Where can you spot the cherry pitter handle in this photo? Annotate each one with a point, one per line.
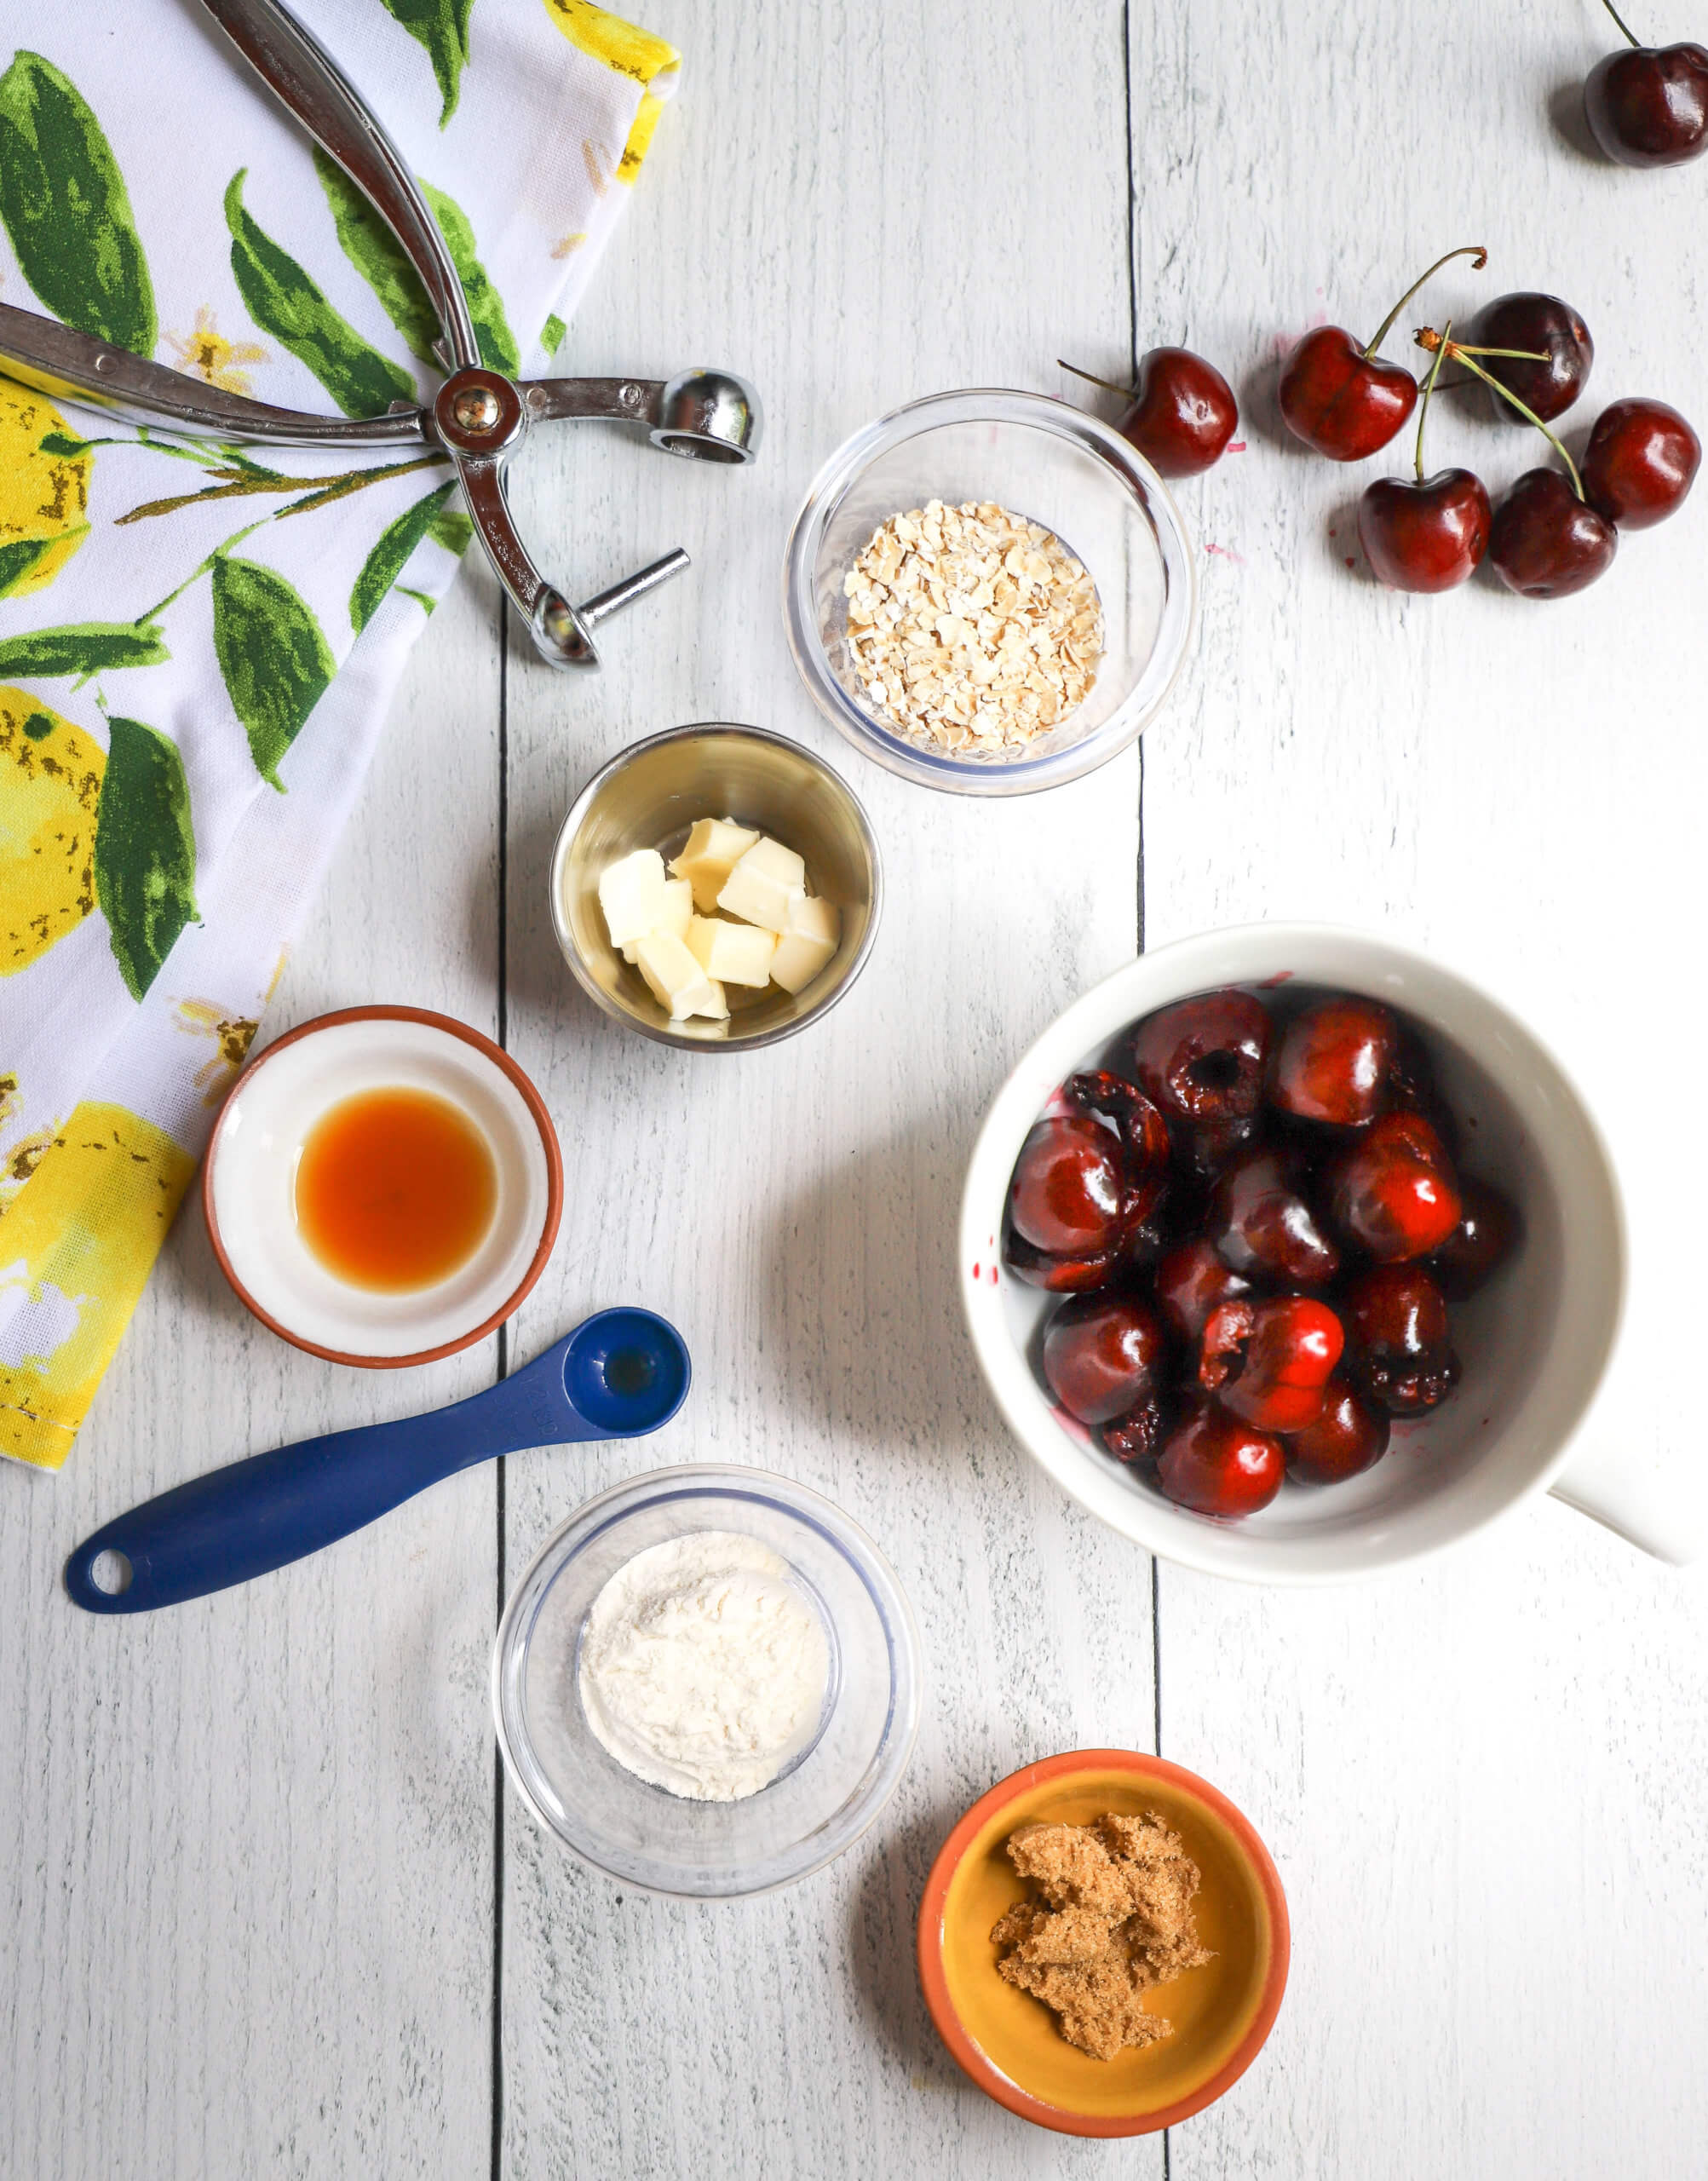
(619, 1375)
(478, 418)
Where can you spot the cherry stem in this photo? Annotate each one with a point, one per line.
(1623, 24)
(1107, 384)
(1469, 250)
(1460, 356)
(1426, 337)
(1428, 388)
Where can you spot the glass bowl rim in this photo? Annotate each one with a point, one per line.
(802, 1504)
(1011, 405)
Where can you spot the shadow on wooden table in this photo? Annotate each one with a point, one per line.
(863, 1298)
(883, 1918)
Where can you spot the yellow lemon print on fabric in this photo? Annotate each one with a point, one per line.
(51, 775)
(44, 470)
(620, 45)
(76, 1246)
(232, 1036)
(640, 137)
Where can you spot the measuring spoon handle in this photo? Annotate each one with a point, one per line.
(254, 1515)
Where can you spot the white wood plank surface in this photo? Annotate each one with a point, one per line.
(249, 1917)
(246, 1889)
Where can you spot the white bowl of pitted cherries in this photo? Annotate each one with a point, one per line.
(1292, 1254)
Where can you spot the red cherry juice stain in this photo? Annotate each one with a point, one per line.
(1350, 562)
(1071, 1425)
(1234, 447)
(1227, 553)
(1272, 984)
(977, 1269)
(993, 1275)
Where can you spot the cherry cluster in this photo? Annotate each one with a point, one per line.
(1258, 1226)
(1553, 531)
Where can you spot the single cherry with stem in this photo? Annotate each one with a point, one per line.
(1338, 398)
(1546, 541)
(1180, 412)
(1427, 535)
(1647, 106)
(1544, 349)
(1642, 460)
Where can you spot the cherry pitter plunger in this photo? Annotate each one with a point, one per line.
(478, 416)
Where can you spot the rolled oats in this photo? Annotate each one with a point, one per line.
(972, 629)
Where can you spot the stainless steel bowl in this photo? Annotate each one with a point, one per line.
(648, 799)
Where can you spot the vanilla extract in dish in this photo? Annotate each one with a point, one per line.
(395, 1189)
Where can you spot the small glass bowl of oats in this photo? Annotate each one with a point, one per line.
(989, 592)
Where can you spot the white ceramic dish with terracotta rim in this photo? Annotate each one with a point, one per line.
(249, 1182)
(1535, 1342)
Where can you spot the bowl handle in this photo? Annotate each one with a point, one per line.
(1648, 1492)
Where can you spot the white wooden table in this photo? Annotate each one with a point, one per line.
(264, 1906)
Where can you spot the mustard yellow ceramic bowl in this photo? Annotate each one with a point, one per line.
(1008, 2043)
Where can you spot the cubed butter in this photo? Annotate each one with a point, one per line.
(631, 894)
(814, 929)
(764, 885)
(735, 953)
(713, 849)
(677, 981)
(677, 916)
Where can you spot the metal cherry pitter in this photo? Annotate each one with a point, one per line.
(478, 416)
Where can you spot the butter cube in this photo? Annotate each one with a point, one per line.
(678, 913)
(631, 893)
(814, 929)
(677, 981)
(764, 885)
(712, 851)
(735, 953)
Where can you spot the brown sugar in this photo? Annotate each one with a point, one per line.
(1112, 1917)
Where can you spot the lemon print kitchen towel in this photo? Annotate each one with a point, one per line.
(198, 641)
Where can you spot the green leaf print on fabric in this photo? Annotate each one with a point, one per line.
(452, 530)
(284, 302)
(17, 559)
(145, 850)
(386, 563)
(273, 657)
(552, 333)
(379, 257)
(498, 350)
(66, 209)
(442, 27)
(82, 648)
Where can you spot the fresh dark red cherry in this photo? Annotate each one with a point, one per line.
(1339, 398)
(1334, 1060)
(1401, 1351)
(1394, 1193)
(1541, 324)
(1203, 1060)
(1479, 1246)
(1642, 460)
(1269, 1361)
(1545, 542)
(1647, 106)
(1427, 535)
(1079, 1190)
(1350, 1436)
(1262, 1227)
(1138, 1436)
(1191, 1283)
(1215, 1464)
(1101, 1354)
(1183, 413)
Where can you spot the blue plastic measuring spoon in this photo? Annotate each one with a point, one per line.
(618, 1376)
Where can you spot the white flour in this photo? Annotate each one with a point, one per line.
(703, 1668)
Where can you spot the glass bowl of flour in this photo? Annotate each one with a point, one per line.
(708, 1683)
